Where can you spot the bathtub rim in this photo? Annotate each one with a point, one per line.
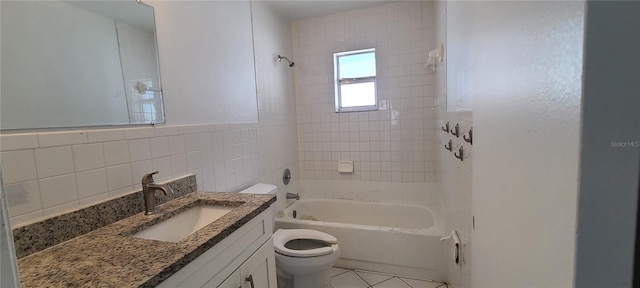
(437, 229)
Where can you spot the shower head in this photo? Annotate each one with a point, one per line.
(291, 63)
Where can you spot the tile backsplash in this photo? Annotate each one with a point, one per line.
(41, 235)
(395, 143)
(48, 173)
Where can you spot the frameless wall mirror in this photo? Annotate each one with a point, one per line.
(459, 87)
(78, 63)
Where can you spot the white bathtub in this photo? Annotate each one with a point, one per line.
(396, 238)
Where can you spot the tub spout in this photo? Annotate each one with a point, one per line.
(293, 196)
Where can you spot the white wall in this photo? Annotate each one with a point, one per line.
(609, 168)
(206, 59)
(63, 73)
(527, 69)
(48, 173)
(454, 176)
(394, 144)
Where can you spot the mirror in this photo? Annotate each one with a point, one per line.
(78, 63)
(459, 89)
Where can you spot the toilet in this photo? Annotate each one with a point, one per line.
(303, 256)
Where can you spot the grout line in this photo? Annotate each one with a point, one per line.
(442, 284)
(408, 283)
(392, 275)
(371, 285)
(365, 281)
(348, 270)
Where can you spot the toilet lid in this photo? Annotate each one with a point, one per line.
(282, 236)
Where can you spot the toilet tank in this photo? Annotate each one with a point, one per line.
(261, 188)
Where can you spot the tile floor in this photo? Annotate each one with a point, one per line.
(345, 278)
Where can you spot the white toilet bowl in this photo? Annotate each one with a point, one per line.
(302, 255)
(306, 256)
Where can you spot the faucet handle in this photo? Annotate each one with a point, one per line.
(148, 178)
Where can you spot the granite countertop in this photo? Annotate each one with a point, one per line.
(110, 257)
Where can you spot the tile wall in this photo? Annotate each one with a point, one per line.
(48, 173)
(395, 143)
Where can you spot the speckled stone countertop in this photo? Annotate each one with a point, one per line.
(110, 257)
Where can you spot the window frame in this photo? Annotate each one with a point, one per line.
(338, 82)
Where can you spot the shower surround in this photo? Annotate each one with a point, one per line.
(395, 143)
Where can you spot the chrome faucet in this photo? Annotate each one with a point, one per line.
(149, 188)
(293, 196)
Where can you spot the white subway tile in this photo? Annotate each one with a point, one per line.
(92, 182)
(192, 142)
(139, 149)
(166, 130)
(90, 201)
(18, 141)
(18, 166)
(139, 169)
(204, 140)
(61, 209)
(136, 133)
(54, 161)
(187, 129)
(160, 147)
(50, 139)
(88, 156)
(23, 198)
(119, 177)
(177, 144)
(193, 160)
(116, 152)
(24, 219)
(104, 135)
(178, 164)
(163, 166)
(216, 139)
(121, 192)
(59, 190)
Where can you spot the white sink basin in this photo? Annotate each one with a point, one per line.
(184, 224)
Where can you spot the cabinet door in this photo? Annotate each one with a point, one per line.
(259, 271)
(234, 281)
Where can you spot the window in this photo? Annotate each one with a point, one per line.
(355, 80)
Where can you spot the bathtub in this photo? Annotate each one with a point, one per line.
(396, 238)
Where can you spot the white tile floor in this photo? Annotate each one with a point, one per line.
(345, 278)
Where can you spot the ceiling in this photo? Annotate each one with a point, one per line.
(301, 9)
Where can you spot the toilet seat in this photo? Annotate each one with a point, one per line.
(282, 236)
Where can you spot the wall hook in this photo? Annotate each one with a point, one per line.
(456, 131)
(460, 154)
(450, 148)
(470, 139)
(446, 127)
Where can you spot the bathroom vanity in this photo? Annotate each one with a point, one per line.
(243, 259)
(233, 251)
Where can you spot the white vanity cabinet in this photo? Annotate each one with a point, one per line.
(246, 253)
(257, 272)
